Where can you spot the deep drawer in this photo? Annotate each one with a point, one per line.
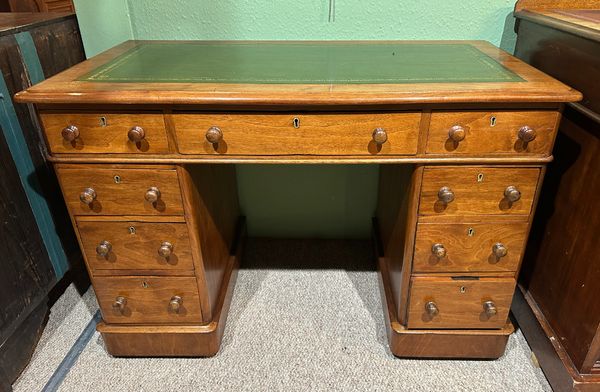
(443, 302)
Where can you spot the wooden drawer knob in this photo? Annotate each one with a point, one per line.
(136, 134)
(104, 248)
(527, 134)
(439, 251)
(512, 193)
(431, 309)
(457, 133)
(499, 250)
(214, 135)
(490, 308)
(70, 133)
(120, 303)
(445, 195)
(175, 303)
(165, 250)
(88, 196)
(152, 194)
(380, 136)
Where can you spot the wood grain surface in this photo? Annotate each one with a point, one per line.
(473, 197)
(460, 302)
(317, 134)
(138, 249)
(148, 299)
(469, 246)
(491, 137)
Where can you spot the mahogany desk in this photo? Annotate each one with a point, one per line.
(145, 138)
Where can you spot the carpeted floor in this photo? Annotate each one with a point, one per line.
(305, 316)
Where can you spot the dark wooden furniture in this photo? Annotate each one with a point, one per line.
(558, 308)
(145, 135)
(41, 6)
(30, 267)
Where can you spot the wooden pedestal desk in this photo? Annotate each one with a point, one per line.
(145, 138)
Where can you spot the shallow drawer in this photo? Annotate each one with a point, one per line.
(95, 133)
(116, 191)
(298, 134)
(469, 190)
(148, 299)
(483, 132)
(136, 245)
(459, 303)
(479, 247)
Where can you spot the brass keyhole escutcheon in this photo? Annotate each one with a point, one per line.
(103, 122)
(480, 177)
(296, 122)
(463, 289)
(145, 284)
(131, 230)
(470, 232)
(117, 179)
(493, 121)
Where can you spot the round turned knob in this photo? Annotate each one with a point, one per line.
(512, 193)
(165, 250)
(152, 194)
(439, 251)
(379, 136)
(103, 248)
(175, 303)
(88, 196)
(136, 134)
(499, 250)
(214, 135)
(431, 309)
(457, 133)
(445, 195)
(120, 303)
(527, 134)
(70, 133)
(490, 308)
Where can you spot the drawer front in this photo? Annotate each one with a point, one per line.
(136, 245)
(120, 191)
(105, 133)
(477, 190)
(148, 299)
(298, 134)
(482, 132)
(449, 303)
(479, 247)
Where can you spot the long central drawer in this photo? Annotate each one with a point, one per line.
(297, 134)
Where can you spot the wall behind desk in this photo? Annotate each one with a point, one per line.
(298, 201)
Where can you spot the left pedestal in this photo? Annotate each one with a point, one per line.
(162, 245)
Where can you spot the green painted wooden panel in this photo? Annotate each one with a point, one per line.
(310, 63)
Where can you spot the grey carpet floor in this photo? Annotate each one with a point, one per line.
(305, 316)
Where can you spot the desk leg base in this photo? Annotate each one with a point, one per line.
(438, 343)
(173, 340)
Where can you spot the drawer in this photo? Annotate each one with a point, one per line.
(118, 191)
(135, 245)
(473, 190)
(459, 303)
(95, 133)
(483, 132)
(148, 299)
(469, 247)
(297, 134)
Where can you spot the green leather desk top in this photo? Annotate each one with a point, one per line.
(302, 63)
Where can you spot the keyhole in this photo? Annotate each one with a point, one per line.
(296, 122)
(117, 179)
(480, 177)
(145, 284)
(131, 230)
(463, 289)
(103, 121)
(471, 232)
(492, 121)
